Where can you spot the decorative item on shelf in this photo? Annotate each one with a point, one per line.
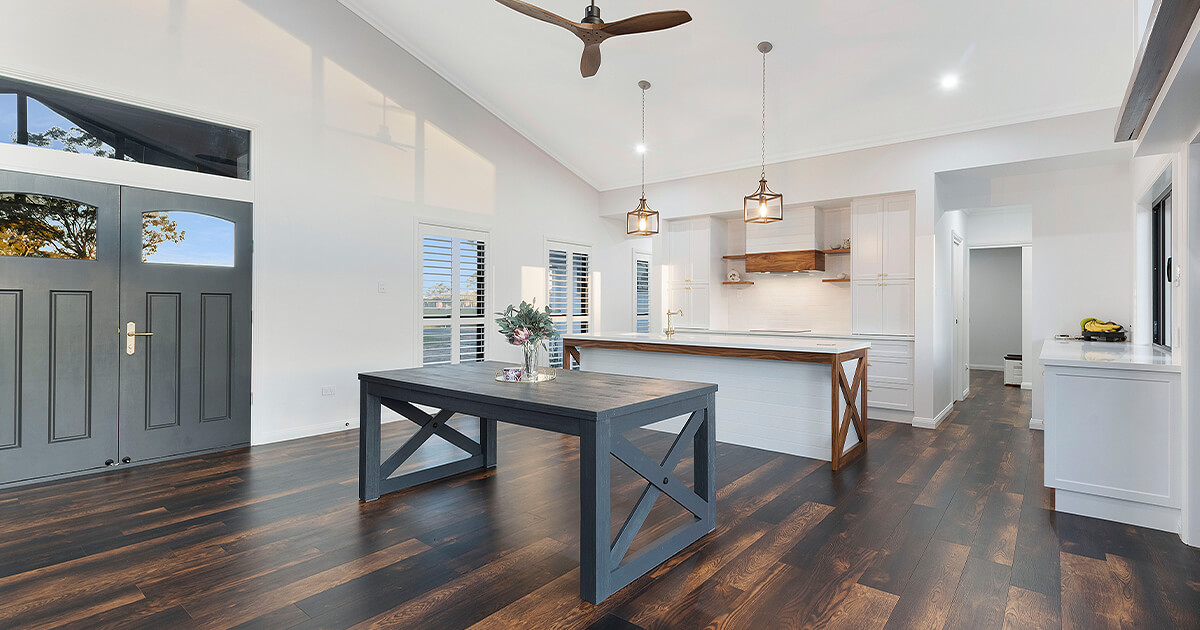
(846, 244)
(1093, 329)
(763, 205)
(530, 328)
(642, 221)
(733, 276)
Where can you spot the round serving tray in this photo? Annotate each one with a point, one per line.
(543, 376)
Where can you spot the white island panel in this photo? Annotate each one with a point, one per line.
(780, 406)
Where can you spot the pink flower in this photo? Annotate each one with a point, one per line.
(520, 336)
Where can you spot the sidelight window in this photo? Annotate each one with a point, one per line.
(454, 303)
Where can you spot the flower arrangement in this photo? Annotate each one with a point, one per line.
(527, 326)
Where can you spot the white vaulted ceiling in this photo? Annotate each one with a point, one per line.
(844, 74)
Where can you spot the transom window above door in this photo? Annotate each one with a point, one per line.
(40, 116)
(44, 226)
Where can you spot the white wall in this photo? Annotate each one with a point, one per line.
(335, 209)
(1083, 249)
(995, 306)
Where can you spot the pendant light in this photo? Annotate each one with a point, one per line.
(764, 205)
(642, 221)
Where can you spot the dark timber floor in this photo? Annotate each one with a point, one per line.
(934, 529)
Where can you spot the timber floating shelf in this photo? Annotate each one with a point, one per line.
(835, 279)
(838, 251)
(735, 257)
(739, 282)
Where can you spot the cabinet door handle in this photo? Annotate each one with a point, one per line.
(885, 275)
(878, 284)
(868, 389)
(885, 284)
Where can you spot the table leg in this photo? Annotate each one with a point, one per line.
(487, 441)
(594, 512)
(704, 445)
(368, 444)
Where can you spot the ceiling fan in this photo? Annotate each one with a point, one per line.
(592, 30)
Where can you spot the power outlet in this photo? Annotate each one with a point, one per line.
(327, 391)
(381, 287)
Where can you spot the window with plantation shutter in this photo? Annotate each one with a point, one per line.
(641, 293)
(453, 295)
(568, 292)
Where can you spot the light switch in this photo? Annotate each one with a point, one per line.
(326, 391)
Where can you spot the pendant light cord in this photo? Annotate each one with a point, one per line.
(644, 148)
(764, 115)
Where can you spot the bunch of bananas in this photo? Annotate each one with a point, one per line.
(1091, 324)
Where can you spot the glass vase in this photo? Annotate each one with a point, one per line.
(533, 352)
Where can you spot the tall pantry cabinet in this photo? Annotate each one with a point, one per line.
(882, 269)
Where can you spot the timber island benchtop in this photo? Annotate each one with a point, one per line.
(812, 349)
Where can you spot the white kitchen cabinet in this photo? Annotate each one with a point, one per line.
(866, 305)
(693, 300)
(881, 254)
(898, 307)
(866, 239)
(694, 250)
(897, 240)
(1113, 423)
(882, 308)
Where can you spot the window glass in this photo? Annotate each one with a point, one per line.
(37, 115)
(453, 280)
(8, 117)
(436, 345)
(48, 129)
(41, 226)
(567, 291)
(437, 276)
(642, 295)
(178, 237)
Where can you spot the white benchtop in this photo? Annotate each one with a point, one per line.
(1114, 356)
(797, 333)
(824, 345)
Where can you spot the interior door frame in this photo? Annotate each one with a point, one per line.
(958, 288)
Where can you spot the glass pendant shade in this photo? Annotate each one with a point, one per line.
(642, 221)
(764, 206)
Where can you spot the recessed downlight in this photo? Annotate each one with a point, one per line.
(640, 148)
(949, 81)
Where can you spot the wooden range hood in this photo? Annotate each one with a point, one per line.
(801, 260)
(789, 245)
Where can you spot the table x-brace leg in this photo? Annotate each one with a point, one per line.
(482, 453)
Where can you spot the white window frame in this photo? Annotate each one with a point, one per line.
(426, 228)
(569, 319)
(646, 257)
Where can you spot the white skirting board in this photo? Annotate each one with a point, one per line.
(986, 368)
(933, 423)
(1037, 423)
(1027, 385)
(890, 415)
(1131, 512)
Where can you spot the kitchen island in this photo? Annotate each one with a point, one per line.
(797, 395)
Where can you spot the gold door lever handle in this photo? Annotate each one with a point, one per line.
(131, 335)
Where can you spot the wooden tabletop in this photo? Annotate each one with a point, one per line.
(575, 394)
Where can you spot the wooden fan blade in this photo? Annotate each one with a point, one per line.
(539, 13)
(590, 62)
(647, 22)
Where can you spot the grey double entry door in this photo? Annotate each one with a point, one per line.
(124, 325)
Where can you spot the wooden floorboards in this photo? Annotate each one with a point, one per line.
(949, 528)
